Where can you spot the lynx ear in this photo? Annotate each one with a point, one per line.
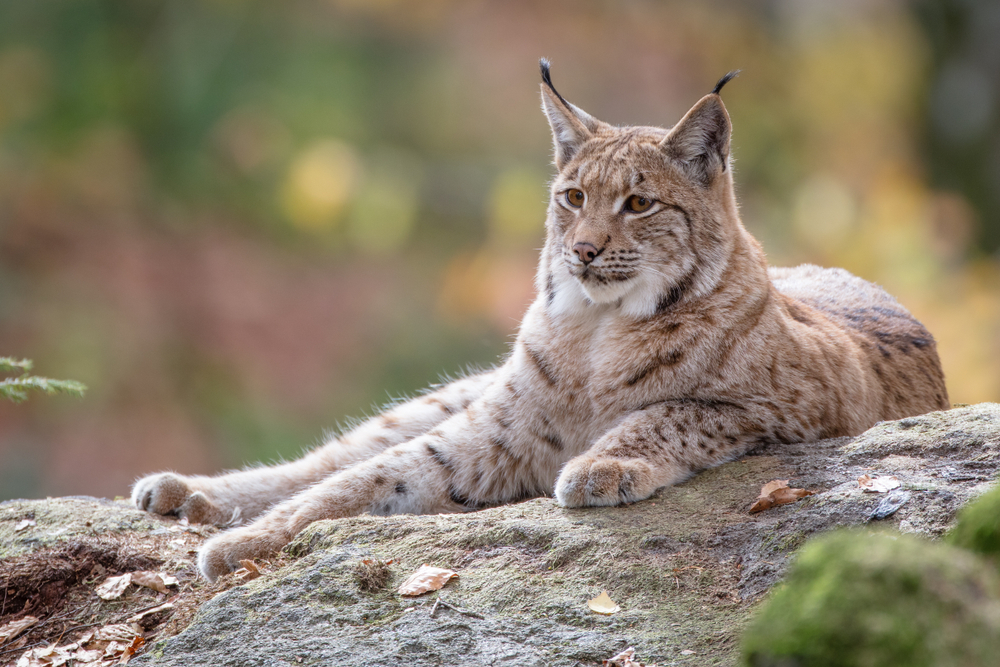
(571, 126)
(701, 140)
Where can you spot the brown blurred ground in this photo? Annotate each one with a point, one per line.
(242, 223)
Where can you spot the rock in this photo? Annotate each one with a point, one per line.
(687, 567)
(856, 599)
(60, 519)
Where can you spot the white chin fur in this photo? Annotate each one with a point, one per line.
(607, 293)
(637, 298)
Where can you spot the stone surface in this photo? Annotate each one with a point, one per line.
(687, 566)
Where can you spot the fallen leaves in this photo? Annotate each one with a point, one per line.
(426, 579)
(625, 659)
(114, 587)
(11, 630)
(111, 645)
(603, 604)
(777, 492)
(24, 523)
(878, 483)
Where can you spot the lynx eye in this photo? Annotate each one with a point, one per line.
(638, 204)
(575, 198)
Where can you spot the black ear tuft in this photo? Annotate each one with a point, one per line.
(544, 65)
(715, 91)
(547, 80)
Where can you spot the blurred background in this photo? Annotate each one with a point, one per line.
(241, 223)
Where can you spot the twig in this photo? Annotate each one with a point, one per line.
(23, 648)
(152, 606)
(435, 607)
(440, 600)
(51, 619)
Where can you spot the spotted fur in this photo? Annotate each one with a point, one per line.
(660, 344)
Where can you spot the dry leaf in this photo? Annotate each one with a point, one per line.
(248, 571)
(878, 483)
(687, 651)
(131, 649)
(115, 649)
(149, 580)
(603, 604)
(50, 656)
(117, 632)
(624, 659)
(113, 587)
(14, 628)
(773, 486)
(24, 523)
(777, 492)
(158, 581)
(426, 579)
(149, 612)
(84, 657)
(250, 565)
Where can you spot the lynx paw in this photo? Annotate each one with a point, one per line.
(589, 481)
(170, 494)
(222, 554)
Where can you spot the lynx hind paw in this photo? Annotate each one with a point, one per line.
(222, 554)
(589, 481)
(169, 494)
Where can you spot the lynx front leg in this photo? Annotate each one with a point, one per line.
(404, 479)
(477, 458)
(244, 495)
(658, 446)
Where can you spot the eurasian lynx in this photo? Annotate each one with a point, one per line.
(659, 345)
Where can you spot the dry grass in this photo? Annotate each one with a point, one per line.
(372, 574)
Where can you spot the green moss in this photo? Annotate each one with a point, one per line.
(853, 598)
(978, 527)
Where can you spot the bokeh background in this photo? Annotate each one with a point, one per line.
(241, 223)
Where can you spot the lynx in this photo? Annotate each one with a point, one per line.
(659, 344)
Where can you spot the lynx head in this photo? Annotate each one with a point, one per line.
(639, 217)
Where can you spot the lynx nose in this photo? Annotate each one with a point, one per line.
(586, 252)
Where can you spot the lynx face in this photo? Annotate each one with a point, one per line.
(623, 233)
(633, 216)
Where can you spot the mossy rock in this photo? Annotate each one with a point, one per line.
(978, 527)
(858, 599)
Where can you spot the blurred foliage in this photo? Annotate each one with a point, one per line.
(17, 388)
(962, 105)
(978, 526)
(239, 222)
